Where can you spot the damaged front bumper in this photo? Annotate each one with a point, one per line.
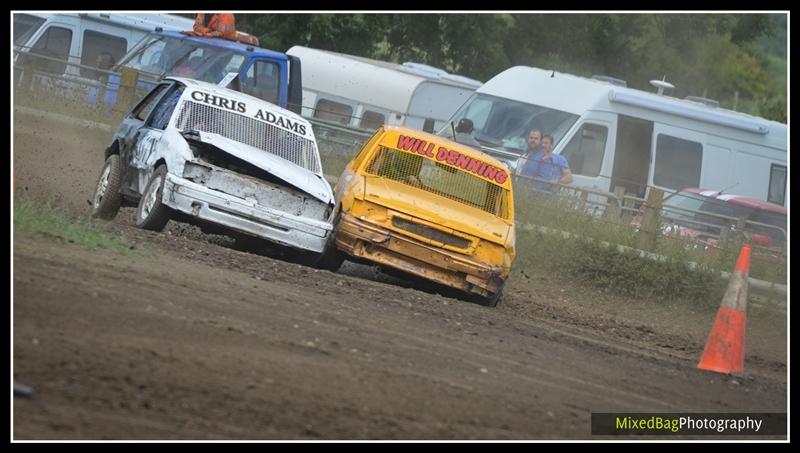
(363, 239)
(245, 213)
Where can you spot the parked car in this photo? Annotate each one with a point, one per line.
(196, 152)
(702, 215)
(427, 206)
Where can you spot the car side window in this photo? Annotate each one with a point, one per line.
(366, 148)
(142, 111)
(164, 109)
(262, 80)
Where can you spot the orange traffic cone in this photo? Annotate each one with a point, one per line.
(724, 352)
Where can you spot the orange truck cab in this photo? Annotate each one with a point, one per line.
(427, 206)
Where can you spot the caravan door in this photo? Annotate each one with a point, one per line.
(677, 158)
(632, 155)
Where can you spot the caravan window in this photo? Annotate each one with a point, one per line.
(506, 123)
(678, 162)
(54, 43)
(777, 184)
(101, 51)
(586, 150)
(372, 120)
(333, 111)
(25, 26)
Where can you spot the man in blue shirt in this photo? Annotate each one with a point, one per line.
(545, 165)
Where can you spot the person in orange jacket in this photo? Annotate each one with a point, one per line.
(221, 25)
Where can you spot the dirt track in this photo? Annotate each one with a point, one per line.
(193, 339)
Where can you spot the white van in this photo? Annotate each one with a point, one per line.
(615, 136)
(85, 38)
(364, 93)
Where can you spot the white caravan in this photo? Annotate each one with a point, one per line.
(364, 93)
(616, 136)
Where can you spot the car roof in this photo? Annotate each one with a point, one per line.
(467, 150)
(225, 44)
(739, 200)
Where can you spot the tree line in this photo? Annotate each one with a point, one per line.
(737, 59)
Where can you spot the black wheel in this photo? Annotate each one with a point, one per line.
(492, 300)
(331, 258)
(107, 198)
(152, 214)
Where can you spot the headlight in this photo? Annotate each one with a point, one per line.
(367, 210)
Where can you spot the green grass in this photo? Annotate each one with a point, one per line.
(584, 260)
(35, 218)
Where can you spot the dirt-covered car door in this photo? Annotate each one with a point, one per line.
(144, 127)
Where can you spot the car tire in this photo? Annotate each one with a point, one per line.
(331, 258)
(493, 300)
(107, 197)
(152, 214)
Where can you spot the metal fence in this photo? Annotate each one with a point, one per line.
(41, 79)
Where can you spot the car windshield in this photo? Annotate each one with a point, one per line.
(676, 205)
(504, 123)
(163, 56)
(721, 208)
(442, 180)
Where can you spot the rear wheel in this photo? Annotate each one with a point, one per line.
(151, 213)
(107, 198)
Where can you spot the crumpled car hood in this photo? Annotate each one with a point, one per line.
(299, 177)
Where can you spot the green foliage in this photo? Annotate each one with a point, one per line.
(586, 248)
(591, 264)
(714, 54)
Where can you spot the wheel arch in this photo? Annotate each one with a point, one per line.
(112, 149)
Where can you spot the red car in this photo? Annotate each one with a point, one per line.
(706, 229)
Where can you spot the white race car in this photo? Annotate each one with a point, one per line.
(196, 152)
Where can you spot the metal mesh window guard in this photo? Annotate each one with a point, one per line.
(441, 179)
(250, 131)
